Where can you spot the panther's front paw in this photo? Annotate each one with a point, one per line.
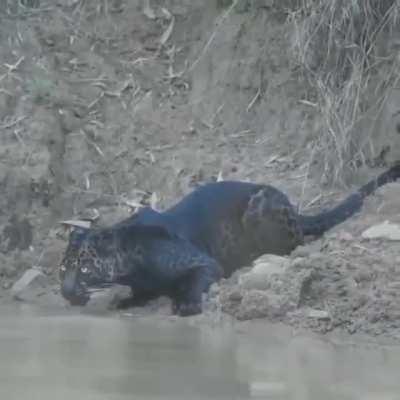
(175, 307)
(121, 304)
(188, 309)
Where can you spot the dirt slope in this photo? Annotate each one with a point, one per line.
(107, 103)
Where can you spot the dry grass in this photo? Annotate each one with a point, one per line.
(344, 49)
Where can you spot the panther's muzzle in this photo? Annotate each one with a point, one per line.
(74, 291)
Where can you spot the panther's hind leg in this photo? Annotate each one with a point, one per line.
(270, 223)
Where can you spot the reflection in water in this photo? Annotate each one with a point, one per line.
(80, 357)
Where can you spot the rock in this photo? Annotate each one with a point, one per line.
(260, 304)
(385, 230)
(6, 285)
(31, 284)
(214, 291)
(270, 264)
(345, 236)
(108, 298)
(8, 271)
(268, 291)
(306, 249)
(255, 304)
(318, 314)
(230, 299)
(234, 295)
(251, 281)
(264, 268)
(363, 276)
(300, 263)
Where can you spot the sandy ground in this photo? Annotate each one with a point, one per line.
(104, 107)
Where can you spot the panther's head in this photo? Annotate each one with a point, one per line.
(90, 263)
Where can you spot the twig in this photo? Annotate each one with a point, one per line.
(13, 67)
(313, 201)
(303, 188)
(18, 136)
(255, 98)
(12, 123)
(92, 143)
(212, 36)
(241, 134)
(6, 92)
(84, 80)
(95, 101)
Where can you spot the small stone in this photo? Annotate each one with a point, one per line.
(385, 230)
(363, 276)
(301, 251)
(300, 263)
(214, 290)
(235, 295)
(270, 263)
(6, 285)
(345, 236)
(318, 314)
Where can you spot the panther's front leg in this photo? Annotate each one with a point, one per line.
(189, 271)
(187, 300)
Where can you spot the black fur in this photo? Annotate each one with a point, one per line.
(210, 233)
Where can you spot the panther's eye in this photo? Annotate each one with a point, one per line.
(84, 270)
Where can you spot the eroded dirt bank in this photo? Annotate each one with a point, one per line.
(102, 108)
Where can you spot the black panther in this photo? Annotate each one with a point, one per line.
(209, 234)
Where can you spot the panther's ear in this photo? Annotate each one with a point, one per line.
(77, 235)
(77, 229)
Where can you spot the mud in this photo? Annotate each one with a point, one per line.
(104, 108)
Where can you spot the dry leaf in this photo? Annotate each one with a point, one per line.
(153, 200)
(148, 11)
(152, 158)
(166, 12)
(166, 35)
(134, 204)
(77, 222)
(87, 182)
(93, 216)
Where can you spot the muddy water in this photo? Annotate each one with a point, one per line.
(72, 356)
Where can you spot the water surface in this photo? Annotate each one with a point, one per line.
(74, 356)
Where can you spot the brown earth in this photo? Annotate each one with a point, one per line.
(104, 104)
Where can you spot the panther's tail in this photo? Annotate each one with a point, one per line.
(318, 224)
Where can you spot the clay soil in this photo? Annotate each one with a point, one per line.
(107, 104)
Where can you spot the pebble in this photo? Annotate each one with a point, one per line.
(385, 230)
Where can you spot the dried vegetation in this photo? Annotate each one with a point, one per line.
(347, 51)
